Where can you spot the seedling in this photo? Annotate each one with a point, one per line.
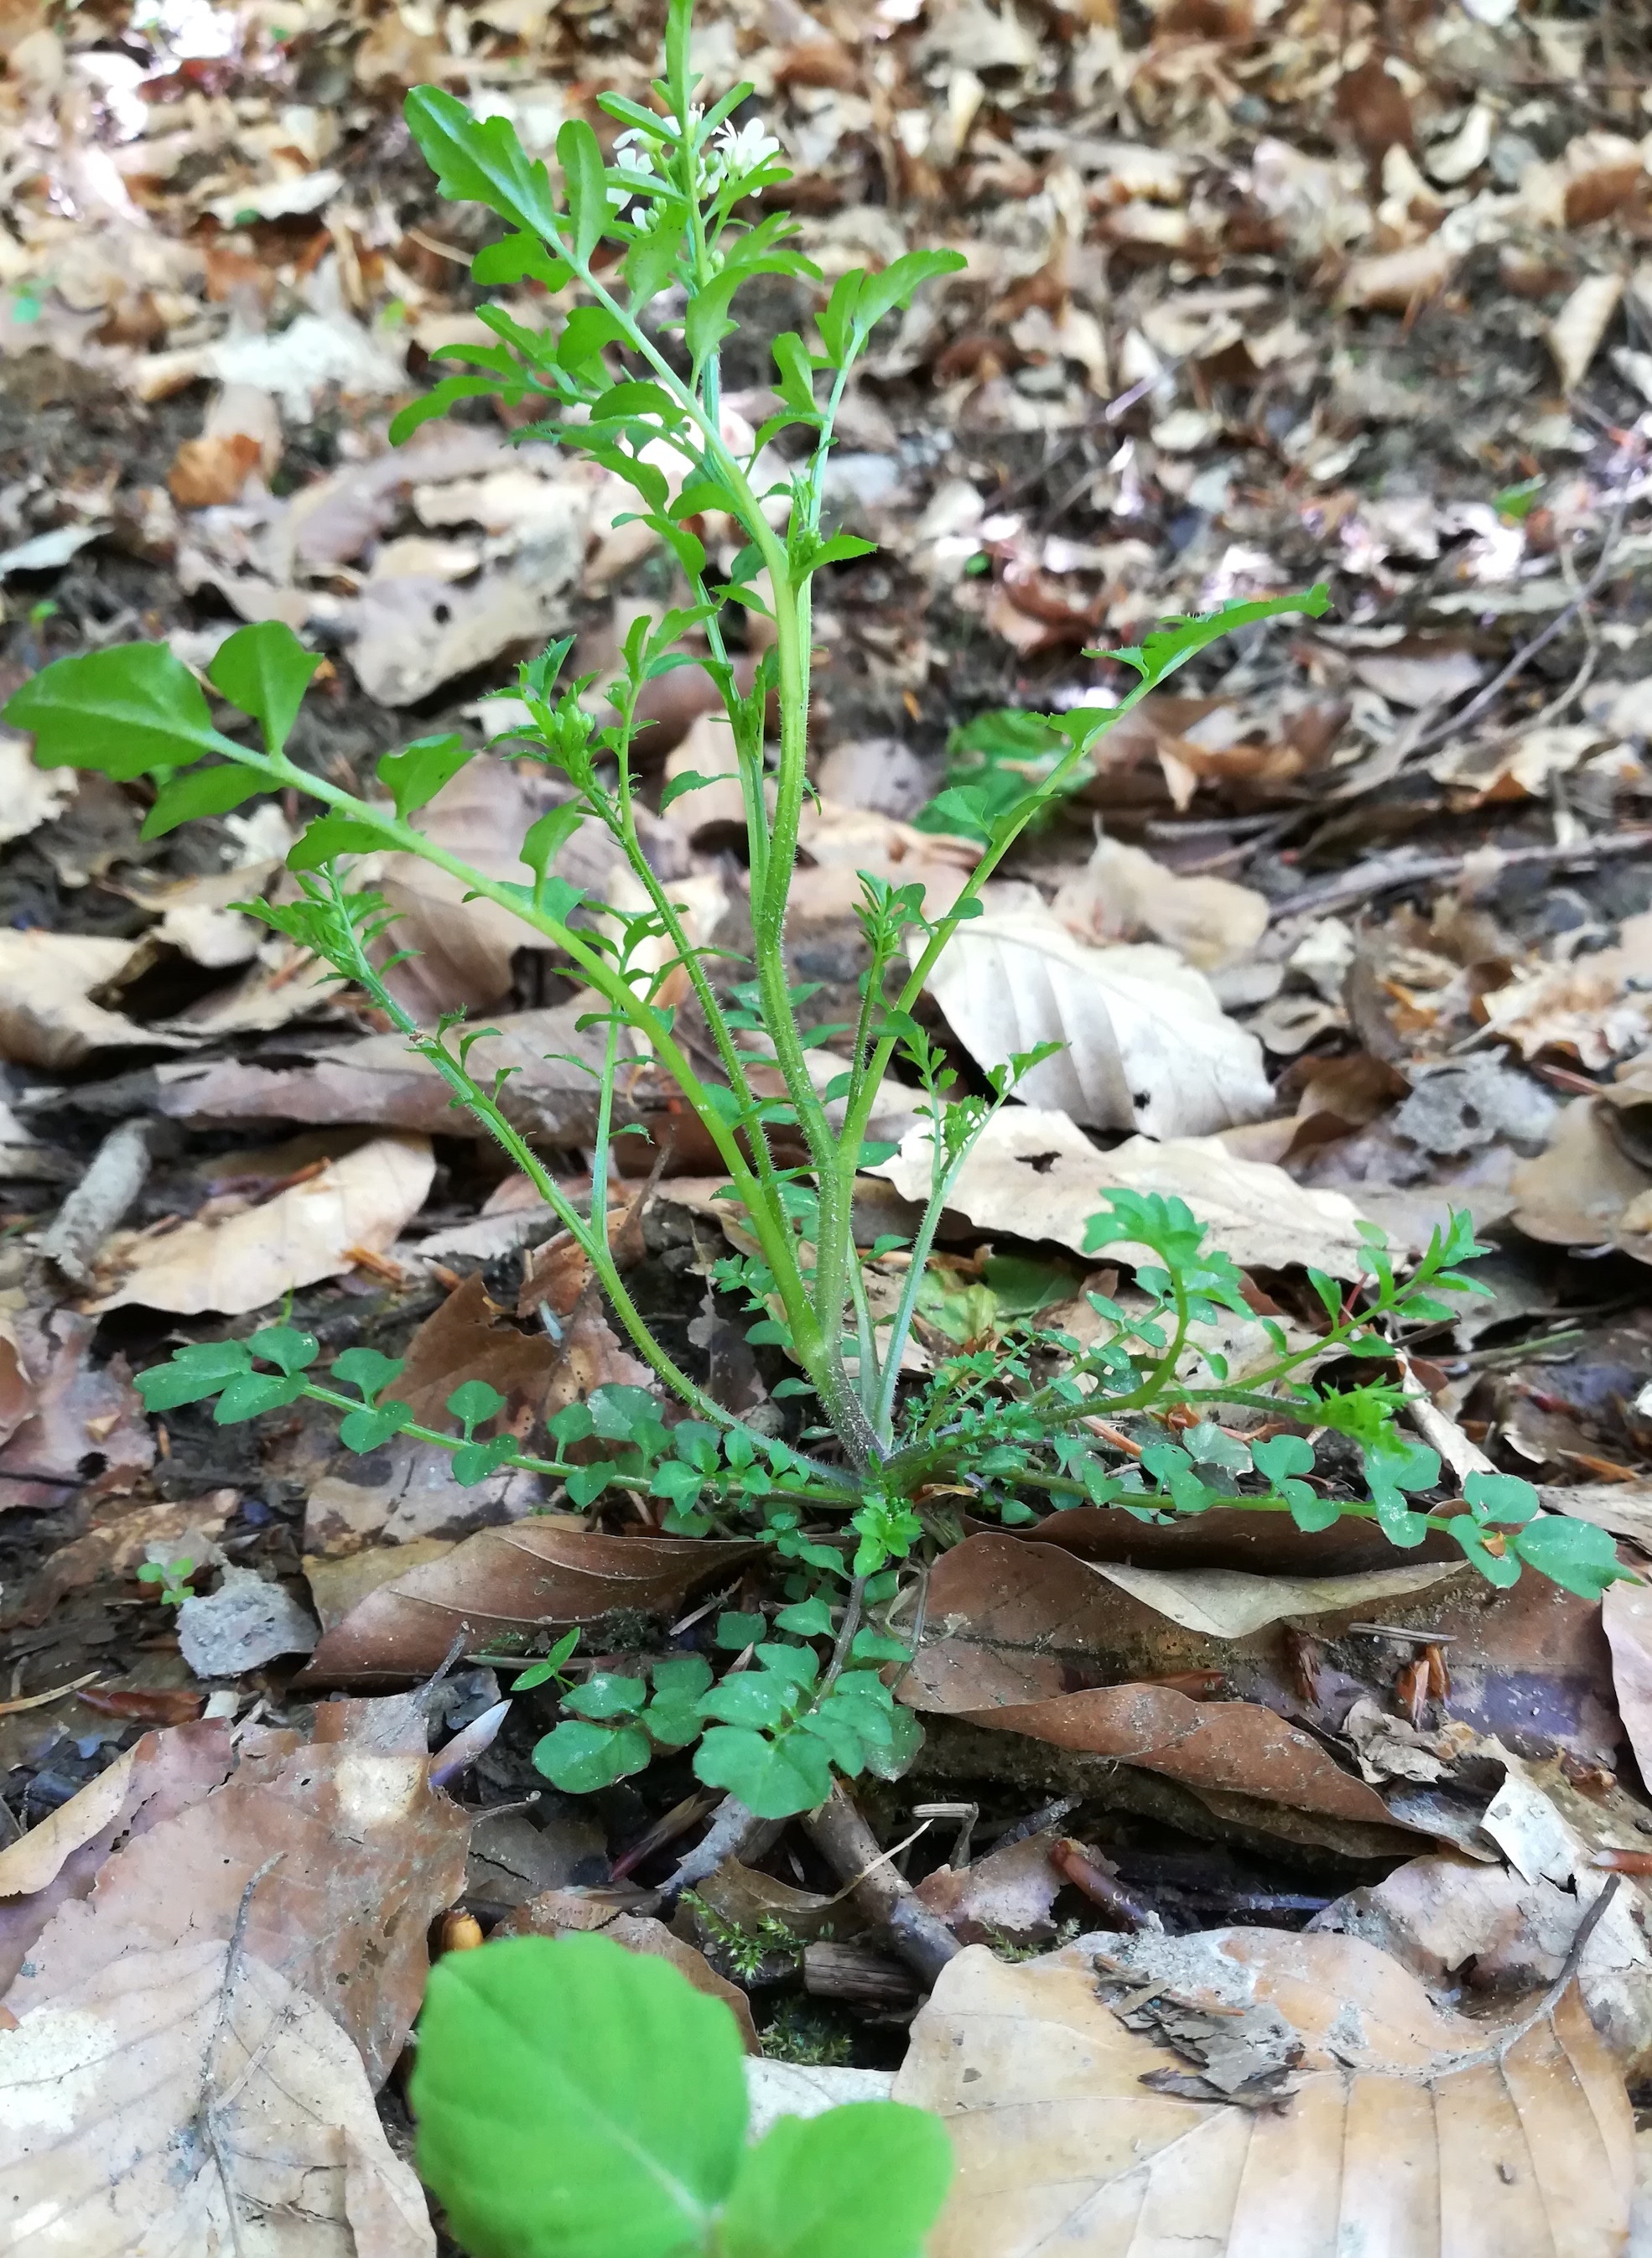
(648, 248)
(575, 2100)
(173, 1579)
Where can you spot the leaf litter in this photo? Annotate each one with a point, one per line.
(1353, 930)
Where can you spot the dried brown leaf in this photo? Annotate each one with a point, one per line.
(187, 1529)
(1410, 2129)
(1013, 1628)
(1034, 1173)
(1123, 892)
(247, 1260)
(356, 1855)
(189, 2091)
(86, 1433)
(48, 1017)
(513, 1581)
(1146, 1045)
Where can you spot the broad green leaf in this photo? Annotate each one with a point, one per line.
(414, 776)
(371, 1429)
(691, 780)
(1501, 1497)
(249, 1395)
(192, 1374)
(579, 1758)
(576, 2100)
(866, 2180)
(580, 158)
(474, 1402)
(473, 1462)
(607, 1695)
(124, 711)
(650, 264)
(586, 1484)
(328, 837)
(734, 1631)
(481, 161)
(773, 1780)
(286, 1346)
(900, 281)
(200, 791)
(1574, 1554)
(437, 401)
(750, 1697)
(265, 669)
(368, 1370)
(809, 1618)
(518, 258)
(1501, 1568)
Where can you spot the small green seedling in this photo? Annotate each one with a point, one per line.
(640, 254)
(576, 2100)
(173, 1579)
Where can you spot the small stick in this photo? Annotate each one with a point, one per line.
(1389, 872)
(39, 1701)
(99, 1202)
(884, 1898)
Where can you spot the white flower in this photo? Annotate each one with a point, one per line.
(743, 148)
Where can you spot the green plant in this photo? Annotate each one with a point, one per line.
(808, 2035)
(173, 1579)
(751, 1952)
(575, 2100)
(653, 243)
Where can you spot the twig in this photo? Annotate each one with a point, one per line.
(99, 1201)
(1388, 873)
(884, 1898)
(39, 1701)
(734, 1833)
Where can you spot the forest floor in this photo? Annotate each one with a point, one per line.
(1356, 922)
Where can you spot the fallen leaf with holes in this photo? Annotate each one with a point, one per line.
(512, 1583)
(564, 1912)
(1013, 1625)
(1146, 1044)
(62, 1858)
(1034, 1173)
(1123, 894)
(1410, 2129)
(188, 2089)
(330, 1859)
(250, 1259)
(48, 1018)
(85, 1434)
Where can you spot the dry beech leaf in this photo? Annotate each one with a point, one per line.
(1578, 329)
(250, 1259)
(1034, 1173)
(379, 1081)
(17, 1387)
(1410, 2131)
(1625, 1613)
(369, 1854)
(528, 1577)
(186, 2099)
(85, 1435)
(1012, 1624)
(48, 1017)
(1582, 1190)
(1595, 1008)
(565, 1913)
(61, 1858)
(1147, 1045)
(1123, 892)
(1515, 1922)
(29, 797)
(1010, 1889)
(1395, 280)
